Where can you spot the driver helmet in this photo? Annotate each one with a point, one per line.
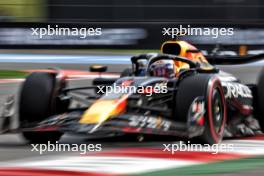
(163, 68)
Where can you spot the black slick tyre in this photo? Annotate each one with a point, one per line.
(37, 102)
(209, 87)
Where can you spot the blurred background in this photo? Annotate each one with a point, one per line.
(127, 24)
(136, 11)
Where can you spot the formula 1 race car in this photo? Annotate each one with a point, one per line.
(176, 93)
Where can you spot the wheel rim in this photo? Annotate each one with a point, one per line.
(217, 110)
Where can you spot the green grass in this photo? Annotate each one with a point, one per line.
(11, 74)
(230, 166)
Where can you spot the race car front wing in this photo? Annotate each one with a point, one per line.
(117, 125)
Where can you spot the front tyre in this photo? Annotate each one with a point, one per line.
(37, 102)
(214, 118)
(42, 137)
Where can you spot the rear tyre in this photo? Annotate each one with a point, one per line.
(209, 87)
(260, 100)
(37, 102)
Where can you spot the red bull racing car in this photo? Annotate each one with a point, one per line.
(176, 93)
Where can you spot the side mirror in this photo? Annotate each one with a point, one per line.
(98, 68)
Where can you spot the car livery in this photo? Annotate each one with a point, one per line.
(200, 103)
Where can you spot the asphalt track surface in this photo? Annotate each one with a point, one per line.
(121, 156)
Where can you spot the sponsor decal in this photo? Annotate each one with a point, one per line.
(149, 122)
(236, 90)
(197, 111)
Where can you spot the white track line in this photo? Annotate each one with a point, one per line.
(103, 164)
